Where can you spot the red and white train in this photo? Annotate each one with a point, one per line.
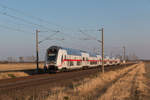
(59, 58)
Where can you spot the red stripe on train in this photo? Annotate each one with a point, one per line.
(82, 60)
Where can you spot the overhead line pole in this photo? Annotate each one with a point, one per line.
(37, 51)
(124, 54)
(102, 47)
(37, 48)
(103, 50)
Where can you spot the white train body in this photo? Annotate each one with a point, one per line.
(58, 58)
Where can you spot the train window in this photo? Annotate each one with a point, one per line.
(71, 63)
(68, 63)
(87, 59)
(104, 61)
(91, 62)
(95, 62)
(78, 63)
(83, 59)
(74, 61)
(52, 55)
(62, 58)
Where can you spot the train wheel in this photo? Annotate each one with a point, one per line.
(64, 69)
(85, 67)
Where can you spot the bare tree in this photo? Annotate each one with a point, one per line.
(21, 59)
(9, 59)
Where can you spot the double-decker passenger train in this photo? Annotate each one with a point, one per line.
(59, 58)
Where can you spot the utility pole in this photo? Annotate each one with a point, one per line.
(103, 50)
(124, 54)
(37, 51)
(102, 47)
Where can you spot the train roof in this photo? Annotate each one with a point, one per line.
(71, 51)
(92, 54)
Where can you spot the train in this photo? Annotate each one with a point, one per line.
(59, 58)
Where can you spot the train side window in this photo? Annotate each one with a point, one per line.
(91, 62)
(83, 59)
(62, 58)
(86, 59)
(68, 63)
(78, 63)
(68, 57)
(71, 63)
(95, 62)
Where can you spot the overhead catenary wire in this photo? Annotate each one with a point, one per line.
(38, 19)
(89, 37)
(15, 29)
(28, 22)
(29, 15)
(33, 17)
(49, 37)
(18, 23)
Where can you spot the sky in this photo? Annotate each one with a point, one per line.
(70, 23)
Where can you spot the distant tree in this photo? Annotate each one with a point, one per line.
(119, 56)
(21, 59)
(127, 58)
(33, 58)
(9, 59)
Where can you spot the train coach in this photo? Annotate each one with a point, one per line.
(59, 58)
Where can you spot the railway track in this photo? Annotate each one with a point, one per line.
(47, 81)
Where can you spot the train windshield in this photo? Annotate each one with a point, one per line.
(52, 55)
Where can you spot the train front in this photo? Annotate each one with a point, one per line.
(51, 59)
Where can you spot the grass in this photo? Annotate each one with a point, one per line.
(87, 89)
(66, 98)
(13, 70)
(18, 66)
(91, 87)
(12, 75)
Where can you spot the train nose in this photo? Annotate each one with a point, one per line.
(51, 63)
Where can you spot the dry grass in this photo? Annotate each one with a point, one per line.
(142, 86)
(89, 89)
(128, 85)
(13, 70)
(12, 75)
(131, 87)
(18, 66)
(124, 88)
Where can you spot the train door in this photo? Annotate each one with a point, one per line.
(83, 61)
